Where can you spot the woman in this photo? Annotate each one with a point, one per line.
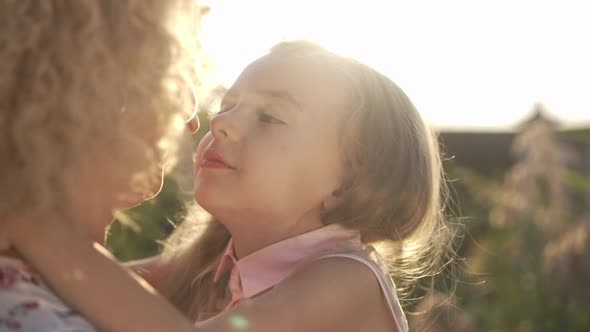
(92, 93)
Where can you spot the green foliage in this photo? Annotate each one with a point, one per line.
(580, 135)
(137, 233)
(576, 181)
(506, 284)
(511, 292)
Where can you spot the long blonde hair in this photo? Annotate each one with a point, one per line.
(393, 196)
(74, 73)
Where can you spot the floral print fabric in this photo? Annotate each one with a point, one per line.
(28, 305)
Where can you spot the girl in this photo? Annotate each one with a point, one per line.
(312, 159)
(90, 91)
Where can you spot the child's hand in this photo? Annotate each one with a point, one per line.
(34, 234)
(19, 230)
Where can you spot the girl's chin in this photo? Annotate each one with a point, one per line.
(213, 205)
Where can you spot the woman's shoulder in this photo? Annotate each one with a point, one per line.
(27, 304)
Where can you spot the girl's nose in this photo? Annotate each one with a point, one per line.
(225, 126)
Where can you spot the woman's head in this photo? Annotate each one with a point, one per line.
(90, 92)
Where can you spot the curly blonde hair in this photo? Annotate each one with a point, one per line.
(74, 74)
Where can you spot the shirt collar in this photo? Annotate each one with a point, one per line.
(268, 266)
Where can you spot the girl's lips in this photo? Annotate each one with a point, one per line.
(212, 164)
(212, 159)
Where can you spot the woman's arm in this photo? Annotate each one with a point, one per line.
(330, 295)
(87, 278)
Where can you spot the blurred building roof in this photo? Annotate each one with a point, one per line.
(490, 152)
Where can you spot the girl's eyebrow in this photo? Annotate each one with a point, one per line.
(281, 94)
(274, 94)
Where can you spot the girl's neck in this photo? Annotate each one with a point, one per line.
(247, 239)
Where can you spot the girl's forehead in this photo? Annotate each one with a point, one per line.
(276, 68)
(304, 80)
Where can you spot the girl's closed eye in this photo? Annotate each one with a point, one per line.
(270, 119)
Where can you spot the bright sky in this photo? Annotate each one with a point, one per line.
(470, 63)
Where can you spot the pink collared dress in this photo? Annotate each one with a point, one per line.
(265, 268)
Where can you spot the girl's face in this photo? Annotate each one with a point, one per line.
(273, 153)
